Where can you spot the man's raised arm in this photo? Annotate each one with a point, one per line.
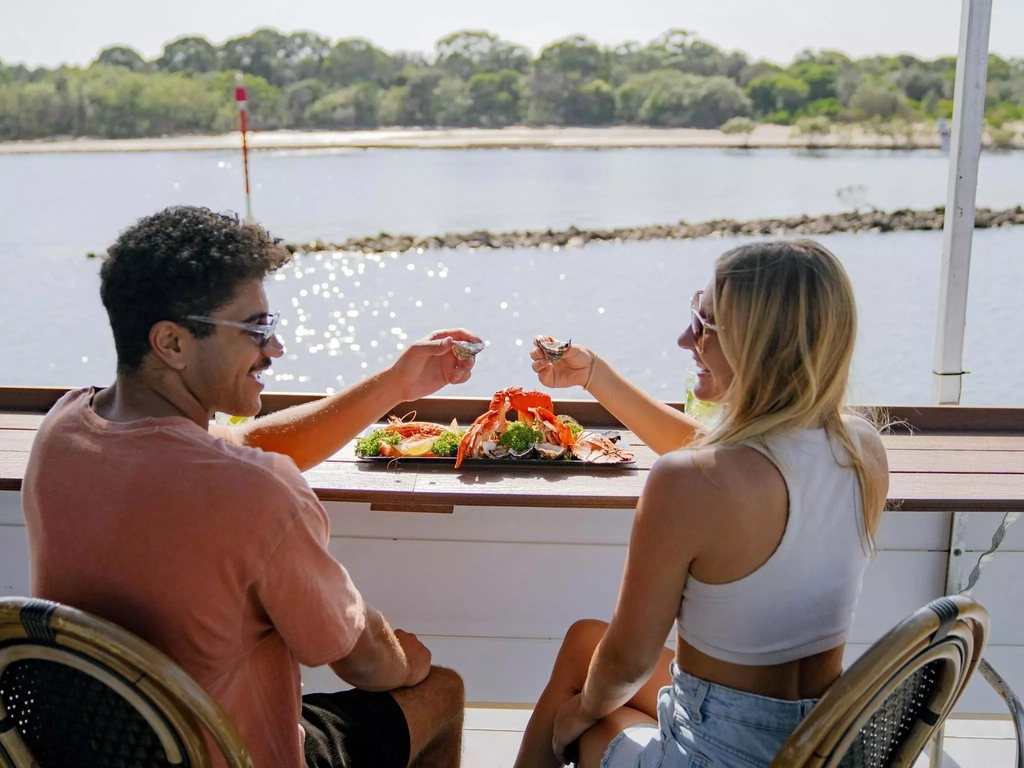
(313, 432)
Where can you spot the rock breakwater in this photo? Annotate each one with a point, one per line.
(903, 220)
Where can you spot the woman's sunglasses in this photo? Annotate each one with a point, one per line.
(699, 324)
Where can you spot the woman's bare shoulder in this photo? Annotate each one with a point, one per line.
(701, 492)
(728, 472)
(868, 440)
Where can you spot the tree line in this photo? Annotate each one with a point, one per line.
(474, 78)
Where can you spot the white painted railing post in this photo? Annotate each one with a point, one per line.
(958, 234)
(965, 153)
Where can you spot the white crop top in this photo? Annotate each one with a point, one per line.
(801, 600)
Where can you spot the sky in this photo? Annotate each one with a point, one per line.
(50, 32)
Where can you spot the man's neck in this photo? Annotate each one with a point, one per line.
(131, 398)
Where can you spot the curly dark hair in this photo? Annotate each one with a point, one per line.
(180, 261)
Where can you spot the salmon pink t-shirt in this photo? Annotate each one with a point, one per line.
(213, 552)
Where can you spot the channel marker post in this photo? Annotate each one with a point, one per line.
(242, 101)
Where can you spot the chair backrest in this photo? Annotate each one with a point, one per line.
(882, 711)
(80, 692)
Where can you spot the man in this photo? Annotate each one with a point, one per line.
(206, 541)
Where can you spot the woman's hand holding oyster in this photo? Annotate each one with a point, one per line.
(561, 363)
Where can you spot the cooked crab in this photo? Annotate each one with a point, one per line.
(489, 426)
(553, 431)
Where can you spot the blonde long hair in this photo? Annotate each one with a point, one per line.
(787, 323)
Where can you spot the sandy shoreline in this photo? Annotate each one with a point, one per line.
(766, 136)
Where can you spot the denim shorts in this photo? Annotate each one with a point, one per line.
(702, 725)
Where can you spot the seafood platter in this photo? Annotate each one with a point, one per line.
(518, 426)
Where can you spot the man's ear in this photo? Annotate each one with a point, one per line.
(171, 343)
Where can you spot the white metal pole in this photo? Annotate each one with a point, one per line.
(965, 153)
(958, 234)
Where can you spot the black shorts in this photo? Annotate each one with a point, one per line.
(355, 729)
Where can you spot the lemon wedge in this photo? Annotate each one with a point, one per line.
(415, 447)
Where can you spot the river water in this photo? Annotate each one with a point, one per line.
(348, 315)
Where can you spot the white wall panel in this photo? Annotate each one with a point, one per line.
(492, 590)
(14, 573)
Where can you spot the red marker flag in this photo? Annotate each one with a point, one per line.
(241, 96)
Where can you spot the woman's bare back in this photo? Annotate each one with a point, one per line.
(748, 531)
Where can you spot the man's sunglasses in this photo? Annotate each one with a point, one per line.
(261, 333)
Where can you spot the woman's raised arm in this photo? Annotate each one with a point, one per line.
(661, 427)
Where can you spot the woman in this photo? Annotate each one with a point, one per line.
(753, 540)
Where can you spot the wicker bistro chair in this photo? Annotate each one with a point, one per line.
(883, 710)
(80, 692)
(1012, 703)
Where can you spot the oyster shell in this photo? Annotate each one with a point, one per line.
(521, 454)
(493, 450)
(549, 450)
(553, 349)
(464, 350)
